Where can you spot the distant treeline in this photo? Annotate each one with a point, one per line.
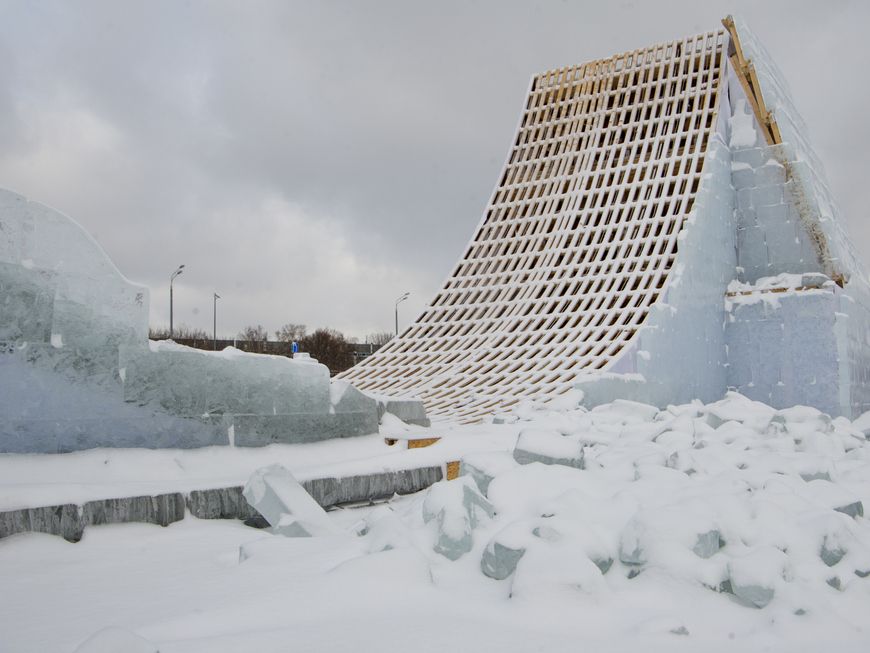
(328, 346)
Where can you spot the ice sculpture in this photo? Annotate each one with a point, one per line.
(636, 190)
(77, 370)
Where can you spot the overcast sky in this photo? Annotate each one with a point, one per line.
(311, 161)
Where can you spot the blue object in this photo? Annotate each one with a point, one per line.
(295, 347)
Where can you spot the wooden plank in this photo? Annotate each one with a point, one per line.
(422, 442)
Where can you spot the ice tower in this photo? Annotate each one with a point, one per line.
(661, 231)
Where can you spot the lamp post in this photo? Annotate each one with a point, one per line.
(214, 342)
(171, 279)
(399, 301)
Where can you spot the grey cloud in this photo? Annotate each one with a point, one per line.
(313, 160)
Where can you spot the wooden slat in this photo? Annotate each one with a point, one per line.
(578, 239)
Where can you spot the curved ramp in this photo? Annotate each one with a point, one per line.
(579, 240)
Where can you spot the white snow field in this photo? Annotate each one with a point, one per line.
(725, 527)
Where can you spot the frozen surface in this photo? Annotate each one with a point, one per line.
(728, 526)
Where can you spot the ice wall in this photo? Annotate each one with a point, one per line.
(679, 353)
(61, 295)
(77, 370)
(772, 236)
(785, 347)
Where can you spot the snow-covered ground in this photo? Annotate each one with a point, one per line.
(679, 524)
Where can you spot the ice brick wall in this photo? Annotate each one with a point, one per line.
(854, 316)
(785, 349)
(816, 200)
(771, 238)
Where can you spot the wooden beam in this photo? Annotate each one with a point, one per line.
(745, 72)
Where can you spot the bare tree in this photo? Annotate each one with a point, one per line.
(181, 332)
(380, 338)
(329, 347)
(254, 334)
(290, 332)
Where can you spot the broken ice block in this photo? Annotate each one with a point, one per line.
(457, 508)
(853, 509)
(289, 509)
(831, 552)
(345, 398)
(501, 555)
(707, 544)
(548, 447)
(499, 561)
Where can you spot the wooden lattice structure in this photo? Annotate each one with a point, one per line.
(578, 240)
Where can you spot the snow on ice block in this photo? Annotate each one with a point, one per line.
(116, 640)
(681, 537)
(383, 530)
(629, 411)
(485, 466)
(737, 408)
(754, 576)
(284, 503)
(457, 508)
(835, 497)
(548, 447)
(556, 563)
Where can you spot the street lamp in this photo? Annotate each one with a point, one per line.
(171, 279)
(214, 342)
(399, 301)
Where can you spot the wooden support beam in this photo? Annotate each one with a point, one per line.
(751, 86)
